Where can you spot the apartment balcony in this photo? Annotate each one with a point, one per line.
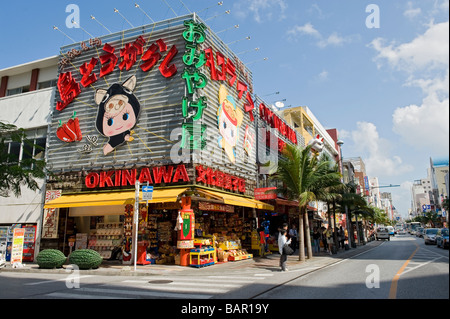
(28, 110)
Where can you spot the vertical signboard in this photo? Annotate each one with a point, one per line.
(50, 225)
(17, 245)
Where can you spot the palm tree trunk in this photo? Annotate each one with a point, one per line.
(358, 241)
(307, 234)
(335, 239)
(301, 235)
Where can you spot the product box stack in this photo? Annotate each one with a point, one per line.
(165, 231)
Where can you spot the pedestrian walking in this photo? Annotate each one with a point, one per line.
(282, 240)
(323, 237)
(329, 235)
(341, 237)
(316, 240)
(293, 235)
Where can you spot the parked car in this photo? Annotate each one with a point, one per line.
(429, 236)
(382, 233)
(419, 232)
(442, 238)
(391, 230)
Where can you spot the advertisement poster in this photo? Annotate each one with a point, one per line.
(50, 226)
(17, 246)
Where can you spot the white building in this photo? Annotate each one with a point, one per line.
(26, 96)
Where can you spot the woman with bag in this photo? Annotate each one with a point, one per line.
(285, 250)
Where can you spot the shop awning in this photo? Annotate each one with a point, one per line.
(112, 199)
(235, 200)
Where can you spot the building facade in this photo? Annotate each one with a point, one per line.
(26, 95)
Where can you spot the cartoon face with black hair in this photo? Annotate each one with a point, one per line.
(118, 113)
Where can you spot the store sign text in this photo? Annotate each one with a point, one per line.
(225, 71)
(121, 178)
(69, 89)
(219, 179)
(272, 119)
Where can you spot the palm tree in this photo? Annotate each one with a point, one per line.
(303, 175)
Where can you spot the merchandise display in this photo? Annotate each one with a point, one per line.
(105, 238)
(202, 257)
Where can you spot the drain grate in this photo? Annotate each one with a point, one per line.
(160, 282)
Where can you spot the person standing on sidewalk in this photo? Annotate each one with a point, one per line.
(282, 240)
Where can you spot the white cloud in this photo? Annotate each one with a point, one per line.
(412, 12)
(322, 42)
(307, 29)
(261, 10)
(334, 40)
(376, 152)
(425, 61)
(323, 76)
(430, 50)
(426, 126)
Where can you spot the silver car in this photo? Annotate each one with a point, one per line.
(429, 236)
(382, 233)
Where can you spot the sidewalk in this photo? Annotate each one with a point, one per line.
(265, 264)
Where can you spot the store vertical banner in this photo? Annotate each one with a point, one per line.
(17, 246)
(50, 225)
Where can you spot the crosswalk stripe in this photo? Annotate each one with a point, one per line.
(182, 284)
(81, 294)
(52, 281)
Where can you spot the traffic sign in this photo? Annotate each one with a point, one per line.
(147, 193)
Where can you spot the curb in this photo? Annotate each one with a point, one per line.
(322, 260)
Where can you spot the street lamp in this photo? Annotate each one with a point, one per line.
(340, 143)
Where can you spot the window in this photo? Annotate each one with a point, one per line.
(23, 89)
(14, 150)
(13, 91)
(39, 152)
(25, 151)
(47, 84)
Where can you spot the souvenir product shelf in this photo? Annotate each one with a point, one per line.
(202, 257)
(233, 249)
(105, 238)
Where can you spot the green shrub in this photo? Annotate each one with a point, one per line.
(85, 259)
(50, 259)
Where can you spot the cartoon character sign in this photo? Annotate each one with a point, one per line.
(317, 145)
(118, 113)
(230, 119)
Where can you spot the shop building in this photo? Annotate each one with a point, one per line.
(167, 105)
(26, 95)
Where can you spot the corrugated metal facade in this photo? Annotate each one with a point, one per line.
(158, 131)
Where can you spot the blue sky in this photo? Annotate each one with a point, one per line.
(385, 89)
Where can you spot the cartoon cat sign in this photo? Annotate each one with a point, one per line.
(317, 145)
(118, 113)
(230, 119)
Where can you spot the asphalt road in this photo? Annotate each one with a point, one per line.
(402, 268)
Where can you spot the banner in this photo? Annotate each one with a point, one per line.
(51, 217)
(17, 246)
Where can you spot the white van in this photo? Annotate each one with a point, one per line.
(391, 230)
